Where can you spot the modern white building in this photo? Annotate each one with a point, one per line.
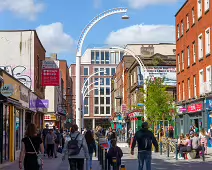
(97, 104)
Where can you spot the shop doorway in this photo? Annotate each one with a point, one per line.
(28, 119)
(6, 134)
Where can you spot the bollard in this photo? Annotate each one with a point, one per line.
(106, 161)
(103, 158)
(168, 149)
(98, 153)
(203, 152)
(176, 146)
(123, 167)
(161, 148)
(114, 163)
(100, 161)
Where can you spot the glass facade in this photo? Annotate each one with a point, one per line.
(105, 57)
(102, 94)
(6, 134)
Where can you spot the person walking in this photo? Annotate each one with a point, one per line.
(44, 133)
(91, 146)
(50, 143)
(145, 139)
(31, 144)
(58, 142)
(76, 148)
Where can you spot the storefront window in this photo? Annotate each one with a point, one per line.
(6, 130)
(17, 129)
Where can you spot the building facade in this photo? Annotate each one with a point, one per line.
(24, 63)
(128, 92)
(97, 101)
(193, 49)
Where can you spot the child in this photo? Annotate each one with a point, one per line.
(114, 152)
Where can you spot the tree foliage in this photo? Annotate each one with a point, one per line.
(158, 102)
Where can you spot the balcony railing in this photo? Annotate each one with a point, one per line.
(206, 87)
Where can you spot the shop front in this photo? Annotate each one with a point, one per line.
(50, 119)
(209, 115)
(11, 118)
(136, 120)
(194, 116)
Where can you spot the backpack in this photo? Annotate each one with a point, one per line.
(145, 142)
(73, 148)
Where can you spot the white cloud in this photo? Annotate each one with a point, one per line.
(97, 3)
(23, 8)
(142, 3)
(142, 34)
(54, 39)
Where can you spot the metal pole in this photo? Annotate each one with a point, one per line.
(83, 35)
(78, 93)
(203, 151)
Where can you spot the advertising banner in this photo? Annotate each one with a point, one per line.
(166, 72)
(209, 104)
(50, 77)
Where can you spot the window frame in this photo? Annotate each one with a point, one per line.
(200, 45)
(189, 88)
(183, 61)
(188, 56)
(199, 8)
(201, 80)
(194, 51)
(187, 22)
(194, 86)
(207, 41)
(207, 5)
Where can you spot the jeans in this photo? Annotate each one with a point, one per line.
(144, 156)
(76, 164)
(50, 150)
(89, 162)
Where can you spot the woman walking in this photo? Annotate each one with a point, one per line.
(50, 143)
(30, 146)
(76, 148)
(204, 139)
(91, 146)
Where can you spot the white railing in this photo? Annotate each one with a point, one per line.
(206, 87)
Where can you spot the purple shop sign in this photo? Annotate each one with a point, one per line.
(42, 103)
(183, 109)
(39, 103)
(32, 103)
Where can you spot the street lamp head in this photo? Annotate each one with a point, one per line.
(125, 17)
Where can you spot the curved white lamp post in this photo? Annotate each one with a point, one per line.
(100, 71)
(79, 54)
(142, 68)
(83, 103)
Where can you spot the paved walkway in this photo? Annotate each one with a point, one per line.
(159, 162)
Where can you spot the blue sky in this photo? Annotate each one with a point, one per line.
(59, 22)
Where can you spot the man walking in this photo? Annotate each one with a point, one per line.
(145, 139)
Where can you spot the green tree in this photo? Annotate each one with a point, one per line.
(158, 101)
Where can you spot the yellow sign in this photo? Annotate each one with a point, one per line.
(50, 117)
(15, 83)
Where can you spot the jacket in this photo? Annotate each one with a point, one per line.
(139, 136)
(81, 142)
(115, 152)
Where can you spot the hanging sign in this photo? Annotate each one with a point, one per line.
(7, 90)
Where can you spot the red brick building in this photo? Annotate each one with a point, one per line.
(193, 49)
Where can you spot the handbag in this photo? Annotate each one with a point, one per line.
(39, 160)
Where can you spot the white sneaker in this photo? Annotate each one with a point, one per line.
(181, 158)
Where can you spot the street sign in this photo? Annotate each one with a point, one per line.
(50, 77)
(50, 64)
(140, 104)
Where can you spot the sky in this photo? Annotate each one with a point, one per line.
(59, 23)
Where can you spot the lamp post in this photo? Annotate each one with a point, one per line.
(100, 71)
(83, 35)
(142, 68)
(83, 102)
